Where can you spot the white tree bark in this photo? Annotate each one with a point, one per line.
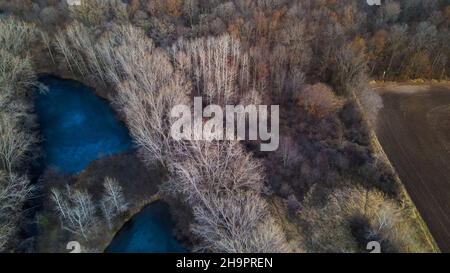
(76, 210)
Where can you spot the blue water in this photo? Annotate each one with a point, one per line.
(78, 126)
(149, 231)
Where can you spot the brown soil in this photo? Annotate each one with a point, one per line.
(414, 130)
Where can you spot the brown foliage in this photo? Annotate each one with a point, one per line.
(319, 99)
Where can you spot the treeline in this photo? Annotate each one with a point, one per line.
(17, 127)
(398, 40)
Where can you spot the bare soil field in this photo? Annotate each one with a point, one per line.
(414, 130)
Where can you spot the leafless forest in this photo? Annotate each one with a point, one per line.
(326, 189)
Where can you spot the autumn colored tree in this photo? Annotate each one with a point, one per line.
(319, 99)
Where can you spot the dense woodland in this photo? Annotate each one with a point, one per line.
(313, 58)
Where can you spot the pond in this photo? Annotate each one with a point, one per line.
(78, 127)
(149, 231)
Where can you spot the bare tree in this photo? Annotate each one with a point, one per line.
(14, 143)
(16, 75)
(76, 211)
(215, 64)
(114, 194)
(113, 200)
(48, 44)
(422, 47)
(214, 167)
(237, 223)
(397, 43)
(15, 35)
(350, 69)
(14, 192)
(223, 184)
(148, 115)
(76, 45)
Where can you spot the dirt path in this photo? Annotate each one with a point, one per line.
(414, 130)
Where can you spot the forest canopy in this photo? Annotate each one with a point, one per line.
(313, 58)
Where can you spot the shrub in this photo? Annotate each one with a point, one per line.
(319, 99)
(353, 216)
